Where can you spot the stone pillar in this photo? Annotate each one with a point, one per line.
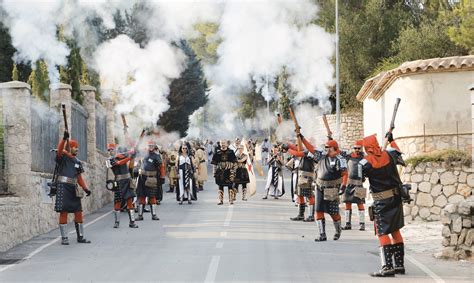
(61, 94)
(89, 105)
(17, 136)
(110, 117)
(471, 88)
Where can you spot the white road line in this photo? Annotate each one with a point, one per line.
(228, 216)
(212, 270)
(38, 250)
(219, 245)
(425, 269)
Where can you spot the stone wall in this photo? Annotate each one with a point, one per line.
(434, 186)
(411, 146)
(458, 230)
(352, 128)
(29, 211)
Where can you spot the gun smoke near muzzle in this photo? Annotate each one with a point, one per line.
(271, 36)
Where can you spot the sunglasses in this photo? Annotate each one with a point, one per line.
(357, 148)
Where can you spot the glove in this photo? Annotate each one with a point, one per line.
(300, 135)
(88, 192)
(389, 136)
(342, 189)
(330, 138)
(66, 135)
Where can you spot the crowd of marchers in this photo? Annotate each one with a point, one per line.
(319, 178)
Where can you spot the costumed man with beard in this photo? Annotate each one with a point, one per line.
(149, 181)
(241, 175)
(275, 186)
(173, 169)
(380, 167)
(331, 174)
(304, 182)
(123, 192)
(185, 173)
(201, 158)
(225, 166)
(355, 191)
(68, 195)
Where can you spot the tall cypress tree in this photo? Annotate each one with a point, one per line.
(187, 94)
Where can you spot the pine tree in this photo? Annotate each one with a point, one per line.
(187, 94)
(39, 81)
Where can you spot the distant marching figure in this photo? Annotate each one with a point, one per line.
(242, 174)
(186, 171)
(275, 186)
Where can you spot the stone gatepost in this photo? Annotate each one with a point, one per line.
(17, 143)
(110, 116)
(89, 105)
(471, 88)
(61, 94)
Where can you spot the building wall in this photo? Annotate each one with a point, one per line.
(433, 105)
(28, 211)
(352, 128)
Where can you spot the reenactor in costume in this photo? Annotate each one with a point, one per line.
(331, 173)
(304, 182)
(161, 181)
(355, 191)
(265, 151)
(149, 181)
(242, 174)
(68, 195)
(275, 186)
(201, 158)
(185, 172)
(388, 193)
(123, 185)
(173, 170)
(292, 165)
(224, 162)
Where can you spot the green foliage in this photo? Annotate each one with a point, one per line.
(461, 25)
(6, 54)
(205, 45)
(286, 95)
(251, 101)
(187, 94)
(447, 155)
(39, 81)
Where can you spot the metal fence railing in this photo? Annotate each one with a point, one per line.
(44, 137)
(3, 187)
(79, 128)
(100, 128)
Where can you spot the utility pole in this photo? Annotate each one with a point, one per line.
(338, 100)
(268, 106)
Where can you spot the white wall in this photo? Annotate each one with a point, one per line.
(436, 99)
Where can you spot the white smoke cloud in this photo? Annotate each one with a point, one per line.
(32, 26)
(141, 75)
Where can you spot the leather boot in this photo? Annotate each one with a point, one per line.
(387, 263)
(347, 218)
(131, 217)
(63, 230)
(398, 256)
(244, 194)
(153, 208)
(338, 228)
(220, 197)
(80, 234)
(310, 217)
(117, 218)
(300, 216)
(171, 190)
(140, 212)
(361, 220)
(231, 196)
(322, 230)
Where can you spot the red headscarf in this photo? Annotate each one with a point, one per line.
(73, 143)
(359, 143)
(111, 146)
(333, 144)
(375, 155)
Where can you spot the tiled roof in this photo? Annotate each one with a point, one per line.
(375, 87)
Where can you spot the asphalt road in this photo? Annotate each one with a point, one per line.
(249, 241)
